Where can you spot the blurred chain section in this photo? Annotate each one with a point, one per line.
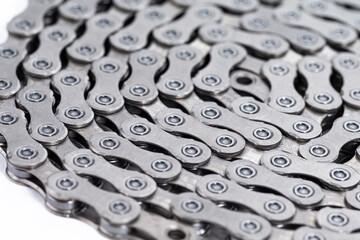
(188, 119)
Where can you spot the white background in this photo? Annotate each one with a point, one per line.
(23, 215)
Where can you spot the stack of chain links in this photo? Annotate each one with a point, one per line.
(188, 119)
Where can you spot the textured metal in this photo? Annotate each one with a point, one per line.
(188, 119)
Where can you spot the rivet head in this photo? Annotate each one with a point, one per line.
(66, 183)
(135, 183)
(139, 129)
(280, 161)
(262, 133)
(128, 39)
(211, 80)
(292, 16)
(241, 2)
(307, 39)
(337, 219)
(249, 108)
(314, 236)
(70, 80)
(259, 22)
(161, 165)
(271, 43)
(154, 15)
(319, 151)
(303, 191)
(35, 96)
(174, 84)
(77, 8)
(105, 99)
(109, 143)
(275, 206)
(86, 50)
(174, 119)
(228, 52)
(139, 90)
(42, 64)
(191, 151)
(314, 66)
(46, 2)
(133, 3)
(47, 130)
(205, 13)
(323, 98)
(352, 126)
(246, 172)
(340, 174)
(185, 54)
(74, 113)
(339, 33)
(216, 187)
(225, 141)
(4, 84)
(172, 34)
(217, 33)
(120, 207)
(192, 205)
(83, 161)
(26, 152)
(355, 94)
(57, 35)
(250, 226)
(349, 62)
(104, 23)
(8, 53)
(318, 6)
(109, 67)
(8, 118)
(358, 197)
(302, 127)
(210, 113)
(24, 24)
(286, 101)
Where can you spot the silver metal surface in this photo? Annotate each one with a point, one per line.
(188, 119)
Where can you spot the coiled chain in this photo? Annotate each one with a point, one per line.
(188, 119)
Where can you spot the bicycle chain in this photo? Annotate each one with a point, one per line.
(188, 119)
